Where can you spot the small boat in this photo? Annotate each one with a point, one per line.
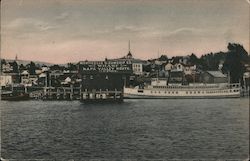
(160, 89)
(14, 96)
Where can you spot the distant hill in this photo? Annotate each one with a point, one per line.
(25, 62)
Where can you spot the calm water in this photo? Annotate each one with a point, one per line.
(136, 129)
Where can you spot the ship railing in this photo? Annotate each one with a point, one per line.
(205, 86)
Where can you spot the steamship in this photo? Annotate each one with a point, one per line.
(160, 89)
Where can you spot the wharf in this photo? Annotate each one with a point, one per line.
(76, 93)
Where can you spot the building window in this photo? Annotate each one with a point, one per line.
(107, 77)
(91, 76)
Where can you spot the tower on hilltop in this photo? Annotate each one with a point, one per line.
(129, 55)
(16, 58)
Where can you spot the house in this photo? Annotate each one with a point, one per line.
(25, 77)
(137, 68)
(189, 69)
(169, 67)
(179, 59)
(178, 67)
(176, 77)
(214, 77)
(6, 68)
(5, 80)
(28, 79)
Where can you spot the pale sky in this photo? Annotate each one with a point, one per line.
(61, 31)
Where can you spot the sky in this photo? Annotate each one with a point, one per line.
(61, 31)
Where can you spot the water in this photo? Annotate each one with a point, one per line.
(136, 129)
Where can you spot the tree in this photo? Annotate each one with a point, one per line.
(32, 68)
(163, 58)
(15, 67)
(193, 59)
(236, 57)
(3, 61)
(72, 67)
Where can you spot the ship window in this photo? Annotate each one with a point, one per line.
(140, 91)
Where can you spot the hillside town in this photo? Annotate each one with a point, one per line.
(210, 68)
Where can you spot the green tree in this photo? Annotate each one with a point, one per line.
(236, 57)
(193, 59)
(32, 68)
(15, 67)
(163, 58)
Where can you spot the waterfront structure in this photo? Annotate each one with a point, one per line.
(103, 80)
(213, 77)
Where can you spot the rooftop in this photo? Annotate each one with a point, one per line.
(217, 74)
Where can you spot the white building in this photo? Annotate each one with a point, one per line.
(137, 68)
(189, 69)
(178, 67)
(169, 66)
(7, 67)
(5, 80)
(25, 77)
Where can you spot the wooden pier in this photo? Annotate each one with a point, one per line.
(76, 93)
(101, 96)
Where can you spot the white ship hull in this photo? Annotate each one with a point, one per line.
(164, 92)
